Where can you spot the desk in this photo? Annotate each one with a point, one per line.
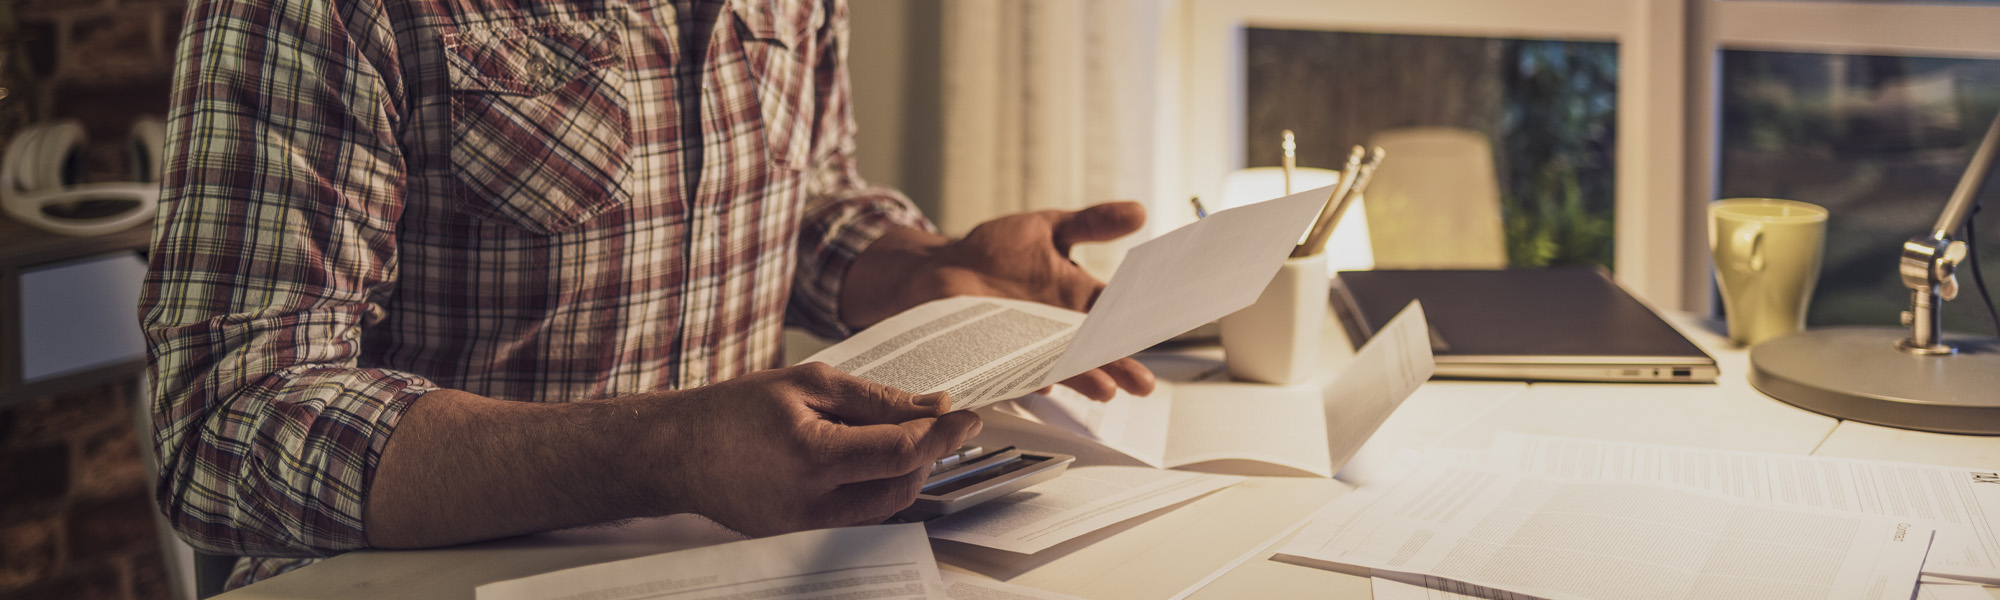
(1161, 554)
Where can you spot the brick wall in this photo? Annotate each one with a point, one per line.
(76, 508)
(75, 502)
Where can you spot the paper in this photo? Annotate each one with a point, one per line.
(1565, 540)
(1405, 586)
(966, 587)
(1082, 500)
(1933, 591)
(1190, 276)
(1187, 423)
(882, 561)
(1965, 502)
(983, 350)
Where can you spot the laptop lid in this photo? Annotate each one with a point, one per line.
(1566, 324)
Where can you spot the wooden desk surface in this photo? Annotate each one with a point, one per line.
(1161, 554)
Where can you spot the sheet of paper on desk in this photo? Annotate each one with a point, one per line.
(1082, 500)
(881, 561)
(1598, 540)
(1315, 430)
(983, 350)
(966, 587)
(1964, 505)
(1949, 591)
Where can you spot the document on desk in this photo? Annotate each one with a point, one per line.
(881, 561)
(1963, 502)
(967, 587)
(983, 350)
(1572, 540)
(1082, 500)
(1315, 430)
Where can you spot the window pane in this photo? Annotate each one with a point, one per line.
(1880, 141)
(1547, 106)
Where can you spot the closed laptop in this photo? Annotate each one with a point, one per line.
(1567, 324)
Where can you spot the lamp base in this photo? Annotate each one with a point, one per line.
(1856, 373)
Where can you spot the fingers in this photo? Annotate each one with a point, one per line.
(1094, 384)
(880, 451)
(1102, 383)
(856, 401)
(1131, 376)
(870, 502)
(1102, 222)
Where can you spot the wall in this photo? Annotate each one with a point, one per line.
(76, 511)
(895, 70)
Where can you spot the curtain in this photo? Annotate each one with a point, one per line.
(1048, 104)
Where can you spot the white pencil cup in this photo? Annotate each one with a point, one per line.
(1276, 340)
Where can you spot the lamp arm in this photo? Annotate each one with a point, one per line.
(1928, 262)
(1960, 207)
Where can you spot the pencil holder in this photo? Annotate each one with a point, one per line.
(1276, 340)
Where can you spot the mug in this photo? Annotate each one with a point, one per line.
(1767, 259)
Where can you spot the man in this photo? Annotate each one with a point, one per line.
(436, 271)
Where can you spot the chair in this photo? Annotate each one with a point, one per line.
(1435, 201)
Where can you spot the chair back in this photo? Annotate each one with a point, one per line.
(1435, 201)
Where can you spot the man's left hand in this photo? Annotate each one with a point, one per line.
(1023, 256)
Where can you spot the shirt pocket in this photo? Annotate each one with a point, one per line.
(540, 123)
(777, 37)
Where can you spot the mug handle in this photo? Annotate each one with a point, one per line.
(1746, 247)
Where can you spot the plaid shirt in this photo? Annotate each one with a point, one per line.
(366, 200)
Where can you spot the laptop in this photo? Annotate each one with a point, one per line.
(1566, 324)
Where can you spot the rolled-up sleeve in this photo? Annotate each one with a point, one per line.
(843, 214)
(274, 245)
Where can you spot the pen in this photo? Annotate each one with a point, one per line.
(1323, 228)
(1305, 247)
(1291, 160)
(1200, 212)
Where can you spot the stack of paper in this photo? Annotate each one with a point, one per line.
(1082, 500)
(882, 561)
(1561, 539)
(1550, 517)
(1310, 429)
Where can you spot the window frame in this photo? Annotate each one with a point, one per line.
(1652, 245)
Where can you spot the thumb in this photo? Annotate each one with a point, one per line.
(1102, 222)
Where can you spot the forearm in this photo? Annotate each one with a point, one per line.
(462, 468)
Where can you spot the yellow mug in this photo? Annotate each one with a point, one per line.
(1767, 259)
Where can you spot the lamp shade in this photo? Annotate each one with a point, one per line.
(1347, 250)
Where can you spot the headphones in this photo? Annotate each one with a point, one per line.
(38, 172)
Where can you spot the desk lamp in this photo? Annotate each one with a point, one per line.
(1913, 377)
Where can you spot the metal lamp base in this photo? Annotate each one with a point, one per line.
(1857, 373)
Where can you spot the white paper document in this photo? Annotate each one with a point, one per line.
(1935, 591)
(1963, 503)
(881, 561)
(1565, 540)
(967, 587)
(982, 350)
(1082, 500)
(1187, 423)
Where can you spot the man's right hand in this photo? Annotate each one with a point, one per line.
(799, 448)
(767, 453)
